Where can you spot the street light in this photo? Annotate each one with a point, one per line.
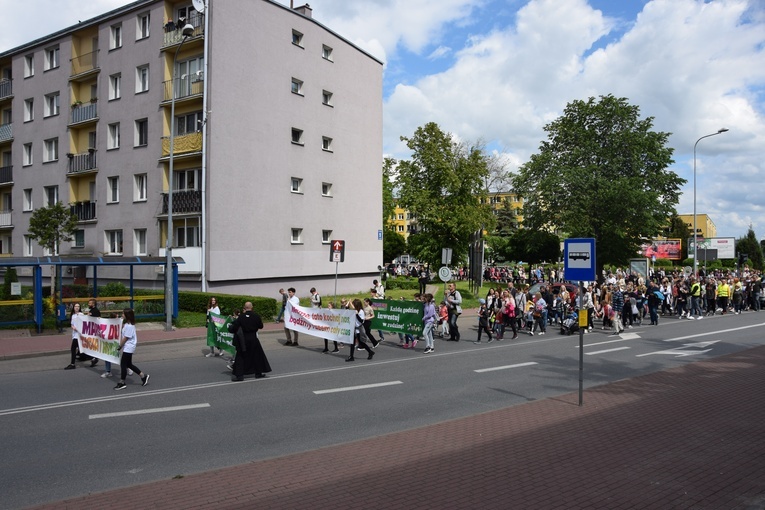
(187, 31)
(695, 243)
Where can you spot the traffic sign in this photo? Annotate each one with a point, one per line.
(579, 259)
(337, 251)
(445, 274)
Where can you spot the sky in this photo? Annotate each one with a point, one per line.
(500, 70)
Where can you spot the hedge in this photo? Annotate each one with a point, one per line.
(197, 302)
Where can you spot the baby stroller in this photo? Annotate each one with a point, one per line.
(570, 323)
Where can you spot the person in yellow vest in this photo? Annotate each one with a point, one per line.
(696, 299)
(723, 294)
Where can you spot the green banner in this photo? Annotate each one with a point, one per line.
(218, 335)
(398, 316)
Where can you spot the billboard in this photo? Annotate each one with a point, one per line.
(725, 246)
(663, 249)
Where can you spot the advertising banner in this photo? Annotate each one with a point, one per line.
(663, 249)
(218, 335)
(725, 246)
(336, 325)
(99, 337)
(397, 316)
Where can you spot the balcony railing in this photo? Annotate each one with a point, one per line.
(6, 132)
(185, 86)
(84, 210)
(189, 201)
(6, 174)
(83, 112)
(182, 144)
(5, 218)
(174, 30)
(6, 88)
(83, 162)
(85, 63)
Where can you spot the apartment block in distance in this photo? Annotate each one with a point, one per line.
(277, 148)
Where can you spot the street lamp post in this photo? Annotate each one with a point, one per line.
(187, 31)
(695, 243)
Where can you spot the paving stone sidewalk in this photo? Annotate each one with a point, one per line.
(692, 437)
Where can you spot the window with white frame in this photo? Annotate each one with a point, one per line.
(26, 155)
(326, 143)
(139, 241)
(297, 86)
(139, 188)
(51, 57)
(113, 190)
(115, 86)
(78, 240)
(50, 150)
(27, 246)
(400, 228)
(29, 65)
(326, 97)
(28, 204)
(142, 26)
(113, 242)
(326, 236)
(188, 123)
(29, 110)
(141, 78)
(297, 185)
(51, 195)
(326, 189)
(113, 136)
(326, 52)
(141, 133)
(297, 236)
(187, 180)
(52, 104)
(297, 136)
(187, 234)
(115, 37)
(297, 38)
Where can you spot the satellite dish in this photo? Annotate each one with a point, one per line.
(199, 5)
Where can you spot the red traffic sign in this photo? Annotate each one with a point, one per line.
(337, 251)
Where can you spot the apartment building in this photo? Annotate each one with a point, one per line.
(277, 147)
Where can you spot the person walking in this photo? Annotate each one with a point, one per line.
(250, 357)
(617, 303)
(454, 303)
(284, 305)
(483, 321)
(212, 307)
(695, 300)
(292, 336)
(75, 319)
(428, 321)
(128, 344)
(315, 298)
(360, 336)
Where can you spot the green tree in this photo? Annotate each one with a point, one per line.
(443, 185)
(394, 245)
(602, 173)
(10, 277)
(677, 229)
(388, 199)
(51, 225)
(751, 246)
(534, 246)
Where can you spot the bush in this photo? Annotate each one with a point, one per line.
(663, 263)
(197, 302)
(113, 289)
(403, 282)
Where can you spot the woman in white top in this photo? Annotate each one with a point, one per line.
(128, 344)
(212, 307)
(359, 333)
(76, 321)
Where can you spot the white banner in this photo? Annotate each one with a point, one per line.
(99, 337)
(336, 325)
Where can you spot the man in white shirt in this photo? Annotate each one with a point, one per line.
(294, 301)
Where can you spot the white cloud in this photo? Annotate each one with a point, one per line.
(439, 52)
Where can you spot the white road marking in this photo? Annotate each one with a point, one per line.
(681, 338)
(607, 350)
(518, 365)
(679, 352)
(354, 388)
(148, 411)
(603, 343)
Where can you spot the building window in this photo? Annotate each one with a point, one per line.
(113, 138)
(27, 246)
(297, 185)
(326, 52)
(326, 189)
(189, 123)
(79, 239)
(326, 236)
(51, 195)
(297, 86)
(115, 41)
(139, 193)
(115, 86)
(187, 236)
(139, 241)
(141, 79)
(401, 216)
(141, 133)
(29, 110)
(52, 104)
(113, 185)
(27, 155)
(142, 26)
(326, 143)
(297, 38)
(326, 97)
(113, 242)
(297, 136)
(51, 58)
(297, 236)
(187, 180)
(29, 66)
(50, 152)
(28, 204)
(400, 228)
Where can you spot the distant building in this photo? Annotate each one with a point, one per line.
(704, 225)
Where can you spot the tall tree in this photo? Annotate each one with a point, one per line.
(443, 185)
(388, 200)
(751, 247)
(601, 173)
(51, 225)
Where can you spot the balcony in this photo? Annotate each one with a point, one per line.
(6, 132)
(6, 88)
(184, 202)
(83, 162)
(84, 64)
(84, 112)
(187, 85)
(5, 218)
(173, 31)
(183, 144)
(6, 175)
(85, 211)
